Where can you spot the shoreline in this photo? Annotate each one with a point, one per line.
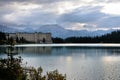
(67, 45)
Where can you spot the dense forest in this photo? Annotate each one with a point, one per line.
(113, 37)
(2, 38)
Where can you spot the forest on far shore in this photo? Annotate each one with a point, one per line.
(113, 37)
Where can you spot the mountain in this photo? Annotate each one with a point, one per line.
(4, 28)
(56, 30)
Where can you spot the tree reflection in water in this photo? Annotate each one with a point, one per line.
(11, 69)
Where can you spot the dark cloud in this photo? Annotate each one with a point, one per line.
(111, 22)
(47, 14)
(83, 15)
(91, 15)
(37, 18)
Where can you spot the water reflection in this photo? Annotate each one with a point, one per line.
(65, 51)
(83, 63)
(30, 51)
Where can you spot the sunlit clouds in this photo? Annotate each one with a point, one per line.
(111, 8)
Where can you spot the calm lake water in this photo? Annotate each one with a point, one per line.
(78, 62)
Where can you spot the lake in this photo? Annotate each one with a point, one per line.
(77, 61)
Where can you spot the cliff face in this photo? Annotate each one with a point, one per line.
(32, 37)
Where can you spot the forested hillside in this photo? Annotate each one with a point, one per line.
(113, 37)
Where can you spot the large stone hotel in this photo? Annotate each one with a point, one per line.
(32, 37)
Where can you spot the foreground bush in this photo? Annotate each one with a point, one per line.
(12, 70)
(52, 75)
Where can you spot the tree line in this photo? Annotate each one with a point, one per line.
(113, 37)
(2, 38)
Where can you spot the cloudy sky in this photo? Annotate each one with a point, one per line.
(70, 14)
